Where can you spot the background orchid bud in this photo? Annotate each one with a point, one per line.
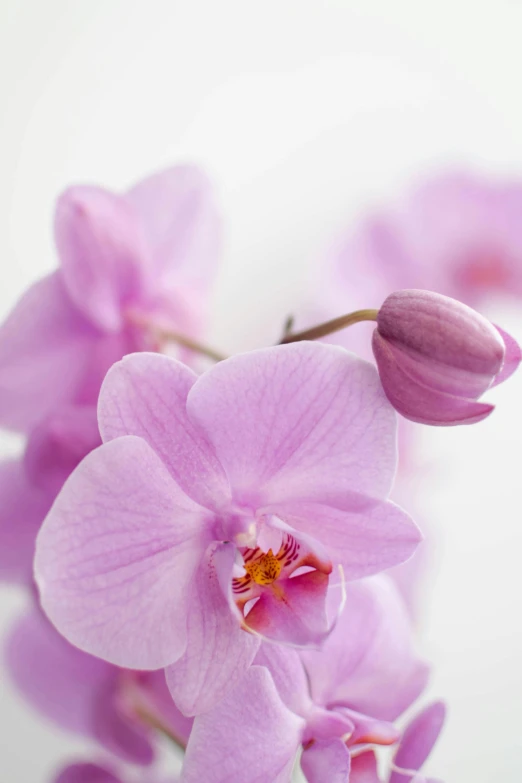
(436, 356)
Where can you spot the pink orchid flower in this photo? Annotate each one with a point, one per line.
(416, 744)
(437, 356)
(89, 772)
(88, 696)
(129, 265)
(332, 702)
(219, 503)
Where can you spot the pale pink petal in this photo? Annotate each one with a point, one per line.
(86, 773)
(116, 556)
(297, 421)
(288, 674)
(181, 225)
(420, 403)
(23, 508)
(101, 252)
(512, 358)
(418, 740)
(364, 535)
(218, 650)
(326, 761)
(250, 737)
(154, 694)
(364, 768)
(145, 395)
(59, 443)
(369, 663)
(43, 344)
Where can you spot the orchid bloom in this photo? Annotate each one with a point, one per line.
(333, 702)
(436, 356)
(88, 696)
(222, 503)
(415, 746)
(131, 266)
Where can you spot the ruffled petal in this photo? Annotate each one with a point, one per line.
(145, 394)
(116, 556)
(218, 650)
(364, 535)
(303, 420)
(23, 508)
(417, 402)
(250, 737)
(43, 344)
(326, 761)
(512, 358)
(101, 252)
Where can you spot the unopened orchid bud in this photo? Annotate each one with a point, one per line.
(436, 357)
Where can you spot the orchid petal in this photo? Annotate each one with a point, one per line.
(512, 358)
(43, 339)
(326, 761)
(418, 402)
(22, 510)
(300, 420)
(145, 395)
(59, 443)
(181, 225)
(101, 253)
(116, 556)
(86, 773)
(363, 534)
(364, 768)
(369, 663)
(250, 737)
(418, 740)
(218, 650)
(288, 674)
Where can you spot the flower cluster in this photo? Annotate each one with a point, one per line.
(207, 553)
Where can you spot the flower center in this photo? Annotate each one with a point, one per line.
(265, 569)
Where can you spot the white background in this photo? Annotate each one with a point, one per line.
(305, 113)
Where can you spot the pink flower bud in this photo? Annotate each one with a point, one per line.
(436, 357)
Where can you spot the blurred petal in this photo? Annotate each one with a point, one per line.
(218, 650)
(181, 225)
(297, 421)
(326, 761)
(145, 394)
(418, 402)
(512, 358)
(86, 773)
(23, 508)
(369, 662)
(364, 768)
(43, 344)
(59, 443)
(116, 557)
(418, 740)
(363, 534)
(249, 737)
(101, 250)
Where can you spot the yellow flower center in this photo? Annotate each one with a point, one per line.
(265, 569)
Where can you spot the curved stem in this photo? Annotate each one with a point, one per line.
(169, 335)
(335, 325)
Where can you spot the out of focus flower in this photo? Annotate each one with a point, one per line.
(416, 744)
(130, 266)
(88, 696)
(436, 357)
(333, 702)
(219, 503)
